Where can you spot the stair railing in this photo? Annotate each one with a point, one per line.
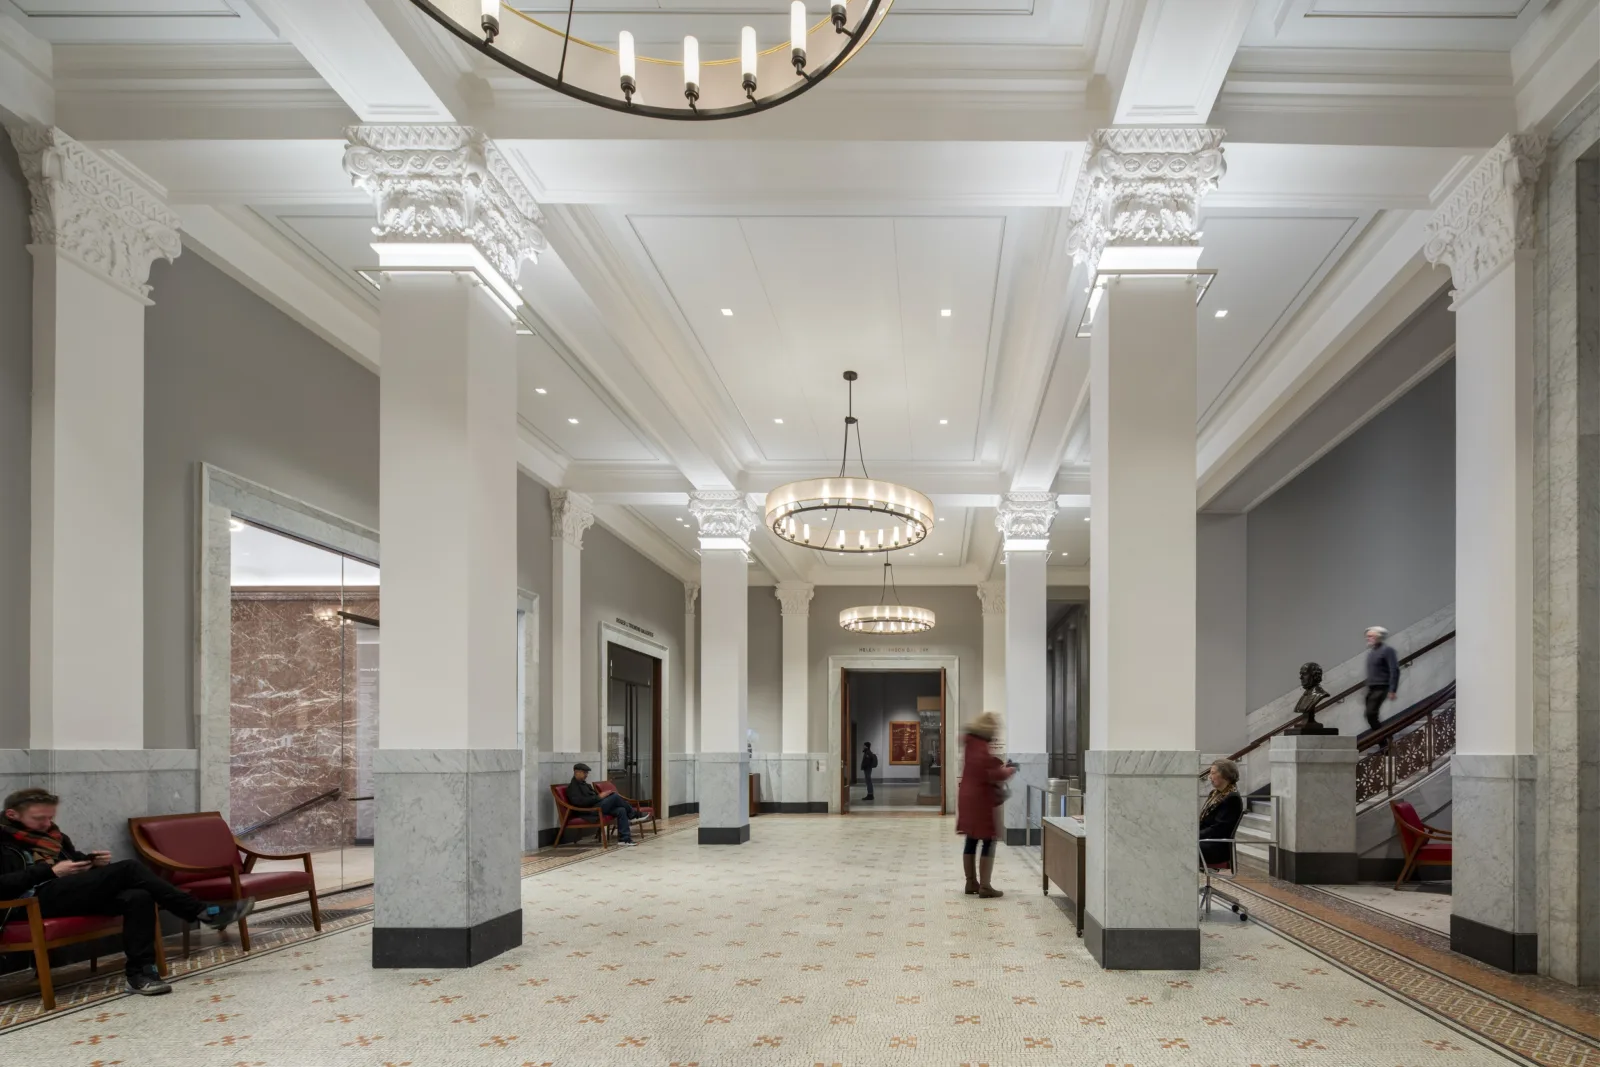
(302, 806)
(1406, 745)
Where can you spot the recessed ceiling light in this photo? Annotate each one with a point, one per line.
(944, 422)
(728, 312)
(944, 313)
(941, 553)
(911, 553)
(540, 391)
(573, 421)
(778, 421)
(1086, 518)
(941, 518)
(1222, 313)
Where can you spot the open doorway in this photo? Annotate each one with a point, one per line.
(900, 714)
(633, 733)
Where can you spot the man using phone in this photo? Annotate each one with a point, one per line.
(38, 860)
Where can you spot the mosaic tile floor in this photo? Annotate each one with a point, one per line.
(1424, 907)
(821, 942)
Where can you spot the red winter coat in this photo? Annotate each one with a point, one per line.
(979, 793)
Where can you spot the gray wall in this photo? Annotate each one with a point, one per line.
(16, 383)
(959, 632)
(618, 582)
(765, 669)
(1221, 632)
(878, 698)
(1363, 537)
(232, 381)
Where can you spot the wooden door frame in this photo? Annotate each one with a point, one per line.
(611, 634)
(839, 666)
(848, 736)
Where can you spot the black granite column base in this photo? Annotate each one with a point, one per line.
(1315, 868)
(445, 946)
(1513, 952)
(724, 835)
(1121, 949)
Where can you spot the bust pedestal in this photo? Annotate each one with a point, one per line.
(1314, 788)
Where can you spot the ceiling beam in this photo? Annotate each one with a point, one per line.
(27, 93)
(1180, 56)
(1556, 63)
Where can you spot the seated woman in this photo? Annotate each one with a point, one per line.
(1220, 814)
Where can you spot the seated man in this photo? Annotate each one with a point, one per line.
(580, 794)
(38, 860)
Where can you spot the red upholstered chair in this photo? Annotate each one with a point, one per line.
(1425, 845)
(649, 810)
(580, 819)
(27, 931)
(199, 854)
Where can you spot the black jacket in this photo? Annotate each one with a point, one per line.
(1221, 821)
(1383, 668)
(869, 761)
(582, 794)
(19, 873)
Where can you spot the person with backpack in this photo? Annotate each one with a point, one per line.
(869, 763)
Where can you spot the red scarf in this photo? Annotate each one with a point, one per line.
(46, 847)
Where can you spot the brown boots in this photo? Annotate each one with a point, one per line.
(969, 863)
(985, 869)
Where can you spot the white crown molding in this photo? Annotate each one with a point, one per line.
(93, 213)
(1556, 63)
(1488, 218)
(795, 598)
(571, 515)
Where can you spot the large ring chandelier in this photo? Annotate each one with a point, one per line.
(613, 75)
(849, 514)
(886, 618)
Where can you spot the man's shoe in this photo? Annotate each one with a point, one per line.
(219, 916)
(629, 843)
(148, 983)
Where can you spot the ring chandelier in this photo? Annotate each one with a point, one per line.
(687, 87)
(885, 618)
(849, 514)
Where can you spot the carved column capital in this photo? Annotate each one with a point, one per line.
(1487, 218)
(725, 516)
(90, 211)
(1026, 516)
(1141, 186)
(795, 598)
(570, 515)
(446, 185)
(691, 593)
(993, 595)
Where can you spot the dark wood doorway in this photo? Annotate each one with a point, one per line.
(632, 733)
(902, 714)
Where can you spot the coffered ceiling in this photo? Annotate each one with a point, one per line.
(707, 284)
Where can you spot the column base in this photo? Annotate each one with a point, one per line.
(447, 879)
(1513, 952)
(724, 787)
(1125, 949)
(1315, 868)
(1031, 770)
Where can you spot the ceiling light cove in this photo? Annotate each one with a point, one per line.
(611, 74)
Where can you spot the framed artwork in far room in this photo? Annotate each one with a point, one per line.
(904, 742)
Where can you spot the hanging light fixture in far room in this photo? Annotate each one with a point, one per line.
(886, 618)
(849, 514)
(682, 87)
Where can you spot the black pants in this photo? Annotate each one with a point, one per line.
(1376, 695)
(126, 888)
(971, 848)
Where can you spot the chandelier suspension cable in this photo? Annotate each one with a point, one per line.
(566, 39)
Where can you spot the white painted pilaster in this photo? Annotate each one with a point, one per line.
(691, 669)
(570, 515)
(993, 596)
(1024, 521)
(795, 597)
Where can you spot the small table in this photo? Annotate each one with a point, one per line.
(1063, 861)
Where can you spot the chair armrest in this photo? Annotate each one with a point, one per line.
(26, 903)
(1433, 835)
(160, 860)
(248, 851)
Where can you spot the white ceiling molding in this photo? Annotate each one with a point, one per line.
(213, 22)
(27, 72)
(644, 538)
(1556, 63)
(538, 459)
(1183, 50)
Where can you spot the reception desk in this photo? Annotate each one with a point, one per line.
(1063, 861)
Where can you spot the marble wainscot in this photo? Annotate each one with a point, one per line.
(555, 768)
(682, 797)
(724, 787)
(1140, 814)
(1032, 769)
(786, 782)
(1494, 890)
(1314, 788)
(451, 897)
(100, 789)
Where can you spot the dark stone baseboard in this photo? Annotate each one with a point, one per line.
(446, 946)
(1314, 868)
(795, 807)
(1387, 869)
(691, 808)
(1141, 950)
(724, 835)
(1516, 953)
(1014, 836)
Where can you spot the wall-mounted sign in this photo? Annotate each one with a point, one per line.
(626, 625)
(880, 650)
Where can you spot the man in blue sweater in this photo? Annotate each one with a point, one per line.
(1383, 674)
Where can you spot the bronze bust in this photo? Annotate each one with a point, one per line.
(1313, 695)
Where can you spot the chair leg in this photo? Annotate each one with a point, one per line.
(161, 948)
(94, 964)
(1405, 871)
(244, 934)
(316, 912)
(47, 988)
(186, 927)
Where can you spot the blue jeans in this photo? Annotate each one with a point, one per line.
(613, 805)
(868, 776)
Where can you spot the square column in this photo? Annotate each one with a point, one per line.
(1024, 520)
(684, 783)
(1484, 232)
(993, 597)
(1314, 787)
(1140, 803)
(571, 514)
(723, 779)
(793, 787)
(447, 772)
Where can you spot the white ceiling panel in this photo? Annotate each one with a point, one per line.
(139, 21)
(1465, 25)
(338, 237)
(1069, 538)
(812, 297)
(1267, 265)
(568, 412)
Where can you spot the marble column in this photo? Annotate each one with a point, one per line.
(454, 227)
(1314, 788)
(1484, 232)
(1140, 804)
(685, 792)
(571, 514)
(726, 520)
(793, 788)
(95, 234)
(993, 597)
(1024, 521)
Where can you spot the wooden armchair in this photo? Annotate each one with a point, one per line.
(198, 853)
(1424, 845)
(579, 819)
(31, 932)
(648, 810)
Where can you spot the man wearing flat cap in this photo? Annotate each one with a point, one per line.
(580, 794)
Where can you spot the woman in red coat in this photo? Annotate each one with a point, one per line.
(978, 801)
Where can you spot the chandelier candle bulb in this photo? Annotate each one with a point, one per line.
(491, 19)
(838, 17)
(628, 64)
(691, 69)
(806, 533)
(747, 62)
(797, 33)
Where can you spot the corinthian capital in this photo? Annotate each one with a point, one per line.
(1026, 517)
(445, 185)
(1488, 218)
(570, 515)
(1141, 186)
(993, 595)
(725, 516)
(90, 211)
(691, 593)
(795, 597)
